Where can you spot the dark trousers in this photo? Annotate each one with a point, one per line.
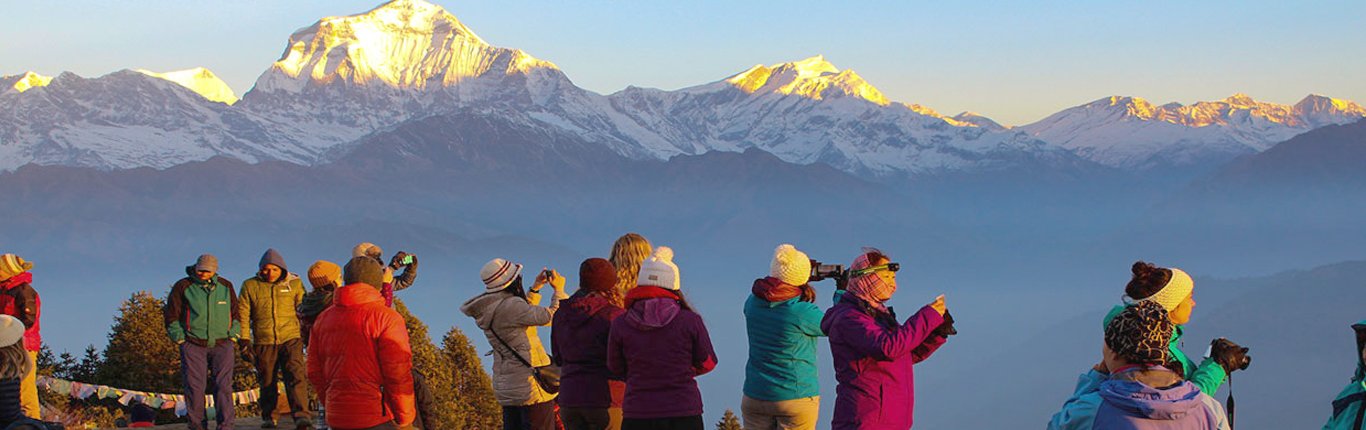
(675, 423)
(585, 418)
(386, 426)
(202, 365)
(283, 361)
(540, 416)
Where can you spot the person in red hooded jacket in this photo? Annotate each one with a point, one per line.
(18, 299)
(359, 358)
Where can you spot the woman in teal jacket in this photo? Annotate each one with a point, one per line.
(1174, 290)
(783, 322)
(1348, 410)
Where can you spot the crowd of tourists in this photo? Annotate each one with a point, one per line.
(626, 347)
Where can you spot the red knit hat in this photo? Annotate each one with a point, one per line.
(597, 274)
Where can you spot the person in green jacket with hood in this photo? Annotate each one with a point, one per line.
(1349, 409)
(1174, 290)
(201, 317)
(782, 389)
(272, 339)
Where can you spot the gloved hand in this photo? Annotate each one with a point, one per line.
(244, 350)
(1229, 355)
(556, 280)
(945, 329)
(397, 260)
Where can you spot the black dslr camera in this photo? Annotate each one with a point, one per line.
(821, 272)
(1229, 354)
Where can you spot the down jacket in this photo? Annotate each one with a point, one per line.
(360, 361)
(20, 300)
(515, 321)
(268, 309)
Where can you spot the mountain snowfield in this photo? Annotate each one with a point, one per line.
(347, 77)
(1131, 133)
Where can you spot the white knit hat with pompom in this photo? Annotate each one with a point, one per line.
(659, 270)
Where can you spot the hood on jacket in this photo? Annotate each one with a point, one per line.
(774, 291)
(584, 307)
(17, 280)
(362, 294)
(273, 257)
(1135, 399)
(1360, 328)
(193, 275)
(650, 314)
(481, 306)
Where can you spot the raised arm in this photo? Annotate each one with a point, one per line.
(867, 337)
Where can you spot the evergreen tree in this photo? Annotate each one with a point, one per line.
(66, 366)
(47, 361)
(476, 406)
(86, 370)
(140, 356)
(728, 421)
(427, 361)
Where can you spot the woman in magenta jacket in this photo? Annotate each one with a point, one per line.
(874, 355)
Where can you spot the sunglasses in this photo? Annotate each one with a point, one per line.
(889, 267)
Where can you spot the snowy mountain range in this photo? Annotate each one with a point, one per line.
(344, 78)
(1131, 133)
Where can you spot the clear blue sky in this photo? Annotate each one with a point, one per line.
(1015, 61)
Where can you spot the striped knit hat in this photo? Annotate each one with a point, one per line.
(1141, 333)
(498, 273)
(12, 265)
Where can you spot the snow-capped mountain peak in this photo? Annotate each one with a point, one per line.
(1322, 110)
(21, 83)
(813, 78)
(408, 44)
(201, 81)
(1133, 133)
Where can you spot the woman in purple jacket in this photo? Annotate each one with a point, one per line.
(578, 342)
(661, 346)
(873, 353)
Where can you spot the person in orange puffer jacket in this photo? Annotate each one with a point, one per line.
(348, 343)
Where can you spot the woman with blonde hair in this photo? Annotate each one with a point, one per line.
(15, 362)
(629, 251)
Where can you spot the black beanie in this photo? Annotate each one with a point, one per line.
(363, 270)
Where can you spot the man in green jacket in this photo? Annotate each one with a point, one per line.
(1349, 409)
(271, 334)
(201, 317)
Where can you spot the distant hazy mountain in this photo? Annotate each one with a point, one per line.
(1298, 203)
(1133, 134)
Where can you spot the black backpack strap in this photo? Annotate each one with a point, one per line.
(500, 338)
